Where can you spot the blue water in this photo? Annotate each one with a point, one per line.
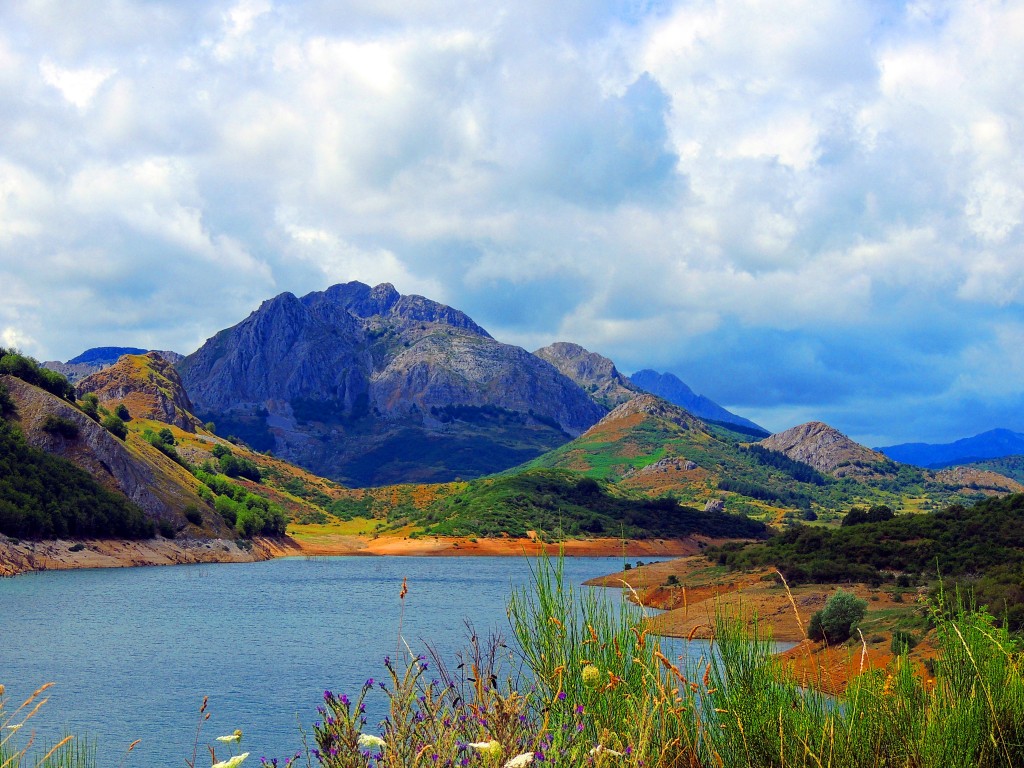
(133, 651)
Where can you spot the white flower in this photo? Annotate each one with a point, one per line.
(520, 760)
(601, 750)
(486, 747)
(231, 762)
(369, 741)
(236, 736)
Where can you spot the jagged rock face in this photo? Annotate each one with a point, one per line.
(357, 383)
(673, 389)
(162, 489)
(826, 449)
(148, 385)
(597, 375)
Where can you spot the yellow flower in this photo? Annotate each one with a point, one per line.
(591, 676)
(231, 762)
(236, 736)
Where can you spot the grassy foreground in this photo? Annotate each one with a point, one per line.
(591, 687)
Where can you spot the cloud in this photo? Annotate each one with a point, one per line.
(800, 208)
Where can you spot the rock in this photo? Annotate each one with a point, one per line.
(597, 375)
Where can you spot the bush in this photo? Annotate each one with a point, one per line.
(122, 412)
(166, 436)
(114, 426)
(902, 642)
(166, 529)
(193, 515)
(91, 405)
(837, 620)
(60, 425)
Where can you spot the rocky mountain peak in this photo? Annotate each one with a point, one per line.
(597, 375)
(367, 386)
(825, 448)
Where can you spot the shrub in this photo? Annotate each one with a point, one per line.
(60, 425)
(836, 621)
(91, 405)
(114, 426)
(902, 642)
(166, 436)
(166, 529)
(193, 515)
(122, 412)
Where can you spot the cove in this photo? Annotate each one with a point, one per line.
(133, 651)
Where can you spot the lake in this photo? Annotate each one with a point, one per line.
(133, 651)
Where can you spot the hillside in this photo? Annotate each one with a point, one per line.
(147, 385)
(670, 387)
(650, 448)
(131, 469)
(369, 387)
(994, 444)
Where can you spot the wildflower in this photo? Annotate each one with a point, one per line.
(591, 676)
(520, 760)
(236, 736)
(369, 741)
(231, 762)
(602, 750)
(486, 747)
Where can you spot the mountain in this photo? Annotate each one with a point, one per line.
(826, 449)
(597, 375)
(148, 385)
(98, 358)
(993, 444)
(671, 388)
(369, 387)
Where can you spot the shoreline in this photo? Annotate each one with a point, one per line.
(23, 556)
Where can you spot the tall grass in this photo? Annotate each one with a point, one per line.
(589, 686)
(17, 743)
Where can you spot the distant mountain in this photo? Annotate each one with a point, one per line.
(98, 358)
(827, 450)
(369, 387)
(105, 355)
(993, 444)
(671, 388)
(597, 375)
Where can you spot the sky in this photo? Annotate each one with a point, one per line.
(805, 209)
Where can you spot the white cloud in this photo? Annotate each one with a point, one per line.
(77, 86)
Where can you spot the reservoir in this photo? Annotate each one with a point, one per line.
(133, 651)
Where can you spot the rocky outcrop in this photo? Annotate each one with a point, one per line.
(671, 388)
(597, 375)
(827, 450)
(367, 386)
(148, 385)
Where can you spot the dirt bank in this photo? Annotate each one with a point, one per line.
(23, 556)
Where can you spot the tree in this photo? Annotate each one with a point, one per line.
(114, 426)
(837, 620)
(122, 412)
(166, 436)
(91, 405)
